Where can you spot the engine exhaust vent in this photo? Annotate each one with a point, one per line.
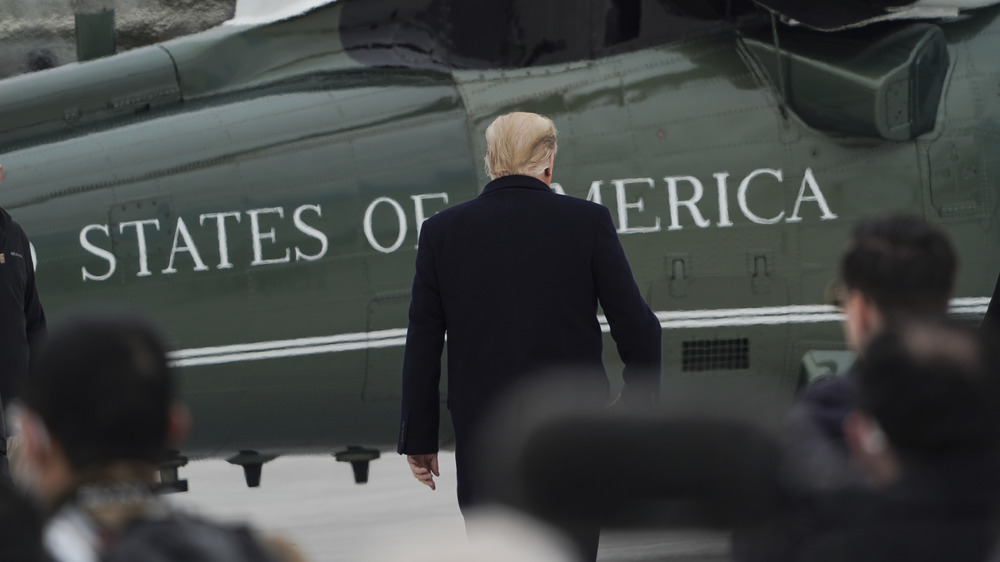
(716, 355)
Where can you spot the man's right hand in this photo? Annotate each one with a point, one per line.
(425, 468)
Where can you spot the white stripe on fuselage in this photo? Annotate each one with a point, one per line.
(679, 319)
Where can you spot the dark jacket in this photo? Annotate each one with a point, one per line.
(124, 521)
(944, 509)
(514, 277)
(813, 433)
(22, 321)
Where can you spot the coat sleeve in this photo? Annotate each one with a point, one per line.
(634, 327)
(34, 316)
(421, 402)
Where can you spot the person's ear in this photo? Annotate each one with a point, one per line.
(178, 425)
(863, 320)
(864, 311)
(852, 305)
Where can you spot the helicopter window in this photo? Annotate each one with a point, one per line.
(458, 34)
(711, 9)
(528, 32)
(658, 22)
(623, 21)
(446, 34)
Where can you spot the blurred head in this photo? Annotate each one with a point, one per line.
(521, 144)
(896, 267)
(99, 395)
(495, 534)
(926, 391)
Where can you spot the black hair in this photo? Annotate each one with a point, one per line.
(902, 263)
(102, 386)
(933, 388)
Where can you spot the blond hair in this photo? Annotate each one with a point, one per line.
(519, 144)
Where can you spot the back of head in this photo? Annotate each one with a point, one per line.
(102, 388)
(903, 264)
(519, 144)
(933, 389)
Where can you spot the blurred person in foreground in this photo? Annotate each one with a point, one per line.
(897, 268)
(514, 278)
(497, 535)
(925, 434)
(99, 411)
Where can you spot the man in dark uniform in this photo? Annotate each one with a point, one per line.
(514, 277)
(22, 320)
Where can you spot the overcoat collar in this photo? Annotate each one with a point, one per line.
(523, 182)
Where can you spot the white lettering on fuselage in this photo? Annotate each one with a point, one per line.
(370, 231)
(258, 237)
(140, 233)
(97, 251)
(184, 243)
(189, 247)
(691, 203)
(220, 221)
(685, 200)
(386, 223)
(624, 205)
(324, 243)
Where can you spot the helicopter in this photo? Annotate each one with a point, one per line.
(258, 188)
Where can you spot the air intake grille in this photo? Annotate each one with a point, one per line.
(716, 355)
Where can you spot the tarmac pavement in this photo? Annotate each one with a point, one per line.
(314, 503)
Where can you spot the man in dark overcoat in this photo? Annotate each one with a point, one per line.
(22, 322)
(514, 278)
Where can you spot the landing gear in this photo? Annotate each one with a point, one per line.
(170, 482)
(359, 457)
(253, 464)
